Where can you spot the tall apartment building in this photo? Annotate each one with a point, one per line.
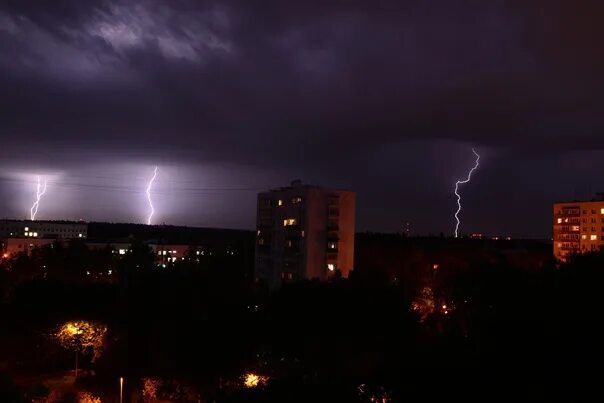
(578, 227)
(304, 232)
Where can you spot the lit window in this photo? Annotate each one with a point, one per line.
(332, 245)
(163, 252)
(602, 211)
(26, 229)
(289, 222)
(159, 252)
(593, 238)
(296, 200)
(331, 266)
(80, 235)
(289, 243)
(575, 228)
(197, 253)
(559, 245)
(303, 233)
(35, 234)
(583, 236)
(559, 221)
(122, 251)
(280, 202)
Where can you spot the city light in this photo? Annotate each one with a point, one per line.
(251, 380)
(459, 196)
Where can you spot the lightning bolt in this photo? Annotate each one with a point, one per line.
(148, 191)
(457, 188)
(39, 193)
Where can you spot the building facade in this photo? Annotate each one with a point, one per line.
(578, 227)
(304, 232)
(43, 229)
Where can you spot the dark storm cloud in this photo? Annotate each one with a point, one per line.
(233, 75)
(280, 84)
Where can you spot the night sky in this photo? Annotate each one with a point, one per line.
(229, 98)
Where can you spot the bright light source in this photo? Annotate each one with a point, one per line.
(148, 192)
(122, 251)
(331, 266)
(251, 380)
(559, 221)
(280, 202)
(79, 235)
(593, 238)
(35, 234)
(26, 229)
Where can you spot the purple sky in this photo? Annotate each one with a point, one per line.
(231, 97)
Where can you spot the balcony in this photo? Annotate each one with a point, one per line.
(333, 226)
(333, 236)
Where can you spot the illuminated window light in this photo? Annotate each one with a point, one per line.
(602, 211)
(289, 222)
(593, 238)
(122, 251)
(79, 235)
(26, 229)
(35, 234)
(559, 221)
(331, 266)
(280, 202)
(583, 236)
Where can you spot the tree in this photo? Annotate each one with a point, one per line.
(82, 336)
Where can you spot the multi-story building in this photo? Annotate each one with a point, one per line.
(304, 232)
(24, 235)
(43, 229)
(578, 227)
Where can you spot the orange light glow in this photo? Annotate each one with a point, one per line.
(251, 380)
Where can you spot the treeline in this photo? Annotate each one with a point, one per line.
(479, 329)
